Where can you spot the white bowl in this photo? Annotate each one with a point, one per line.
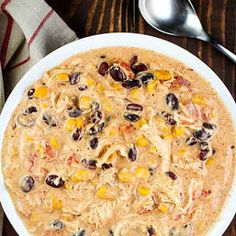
(108, 40)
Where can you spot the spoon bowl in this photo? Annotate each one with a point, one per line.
(178, 18)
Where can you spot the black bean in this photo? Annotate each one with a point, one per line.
(96, 128)
(56, 224)
(27, 183)
(93, 143)
(136, 68)
(203, 145)
(151, 230)
(203, 154)
(25, 120)
(103, 56)
(201, 135)
(90, 164)
(191, 141)
(172, 101)
(80, 233)
(204, 151)
(152, 170)
(83, 87)
(31, 93)
(133, 60)
(134, 83)
(49, 120)
(95, 105)
(55, 181)
(171, 175)
(145, 77)
(232, 147)
(77, 135)
(209, 126)
(74, 78)
(96, 116)
(117, 73)
(74, 111)
(30, 110)
(132, 153)
(169, 118)
(111, 233)
(103, 68)
(131, 117)
(134, 107)
(106, 166)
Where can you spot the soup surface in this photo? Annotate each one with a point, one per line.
(119, 141)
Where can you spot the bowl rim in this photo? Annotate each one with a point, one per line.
(109, 40)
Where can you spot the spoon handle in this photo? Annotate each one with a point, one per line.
(214, 42)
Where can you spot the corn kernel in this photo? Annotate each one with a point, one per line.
(44, 105)
(153, 150)
(54, 143)
(85, 102)
(143, 190)
(151, 86)
(142, 173)
(178, 131)
(168, 136)
(182, 151)
(56, 203)
(163, 208)
(70, 124)
(67, 187)
(106, 105)
(162, 75)
(67, 217)
(105, 192)
(82, 175)
(126, 176)
(112, 132)
(39, 147)
(142, 141)
(198, 99)
(90, 82)
(41, 92)
(79, 122)
(135, 93)
(140, 123)
(210, 161)
(116, 86)
(29, 138)
(62, 77)
(100, 88)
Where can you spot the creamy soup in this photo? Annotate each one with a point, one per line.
(119, 142)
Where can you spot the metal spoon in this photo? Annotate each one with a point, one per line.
(179, 18)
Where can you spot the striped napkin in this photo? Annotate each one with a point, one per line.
(29, 30)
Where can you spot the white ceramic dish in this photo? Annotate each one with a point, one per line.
(107, 40)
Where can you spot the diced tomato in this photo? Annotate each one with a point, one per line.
(178, 82)
(126, 68)
(72, 159)
(48, 150)
(205, 193)
(126, 128)
(32, 160)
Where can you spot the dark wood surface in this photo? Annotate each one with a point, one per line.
(89, 17)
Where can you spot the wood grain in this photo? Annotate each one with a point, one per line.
(89, 17)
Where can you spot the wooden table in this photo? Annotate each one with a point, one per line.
(89, 17)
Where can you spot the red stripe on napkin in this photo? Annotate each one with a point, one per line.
(32, 38)
(7, 36)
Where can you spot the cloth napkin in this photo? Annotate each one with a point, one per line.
(29, 30)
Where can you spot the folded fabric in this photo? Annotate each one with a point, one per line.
(29, 30)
